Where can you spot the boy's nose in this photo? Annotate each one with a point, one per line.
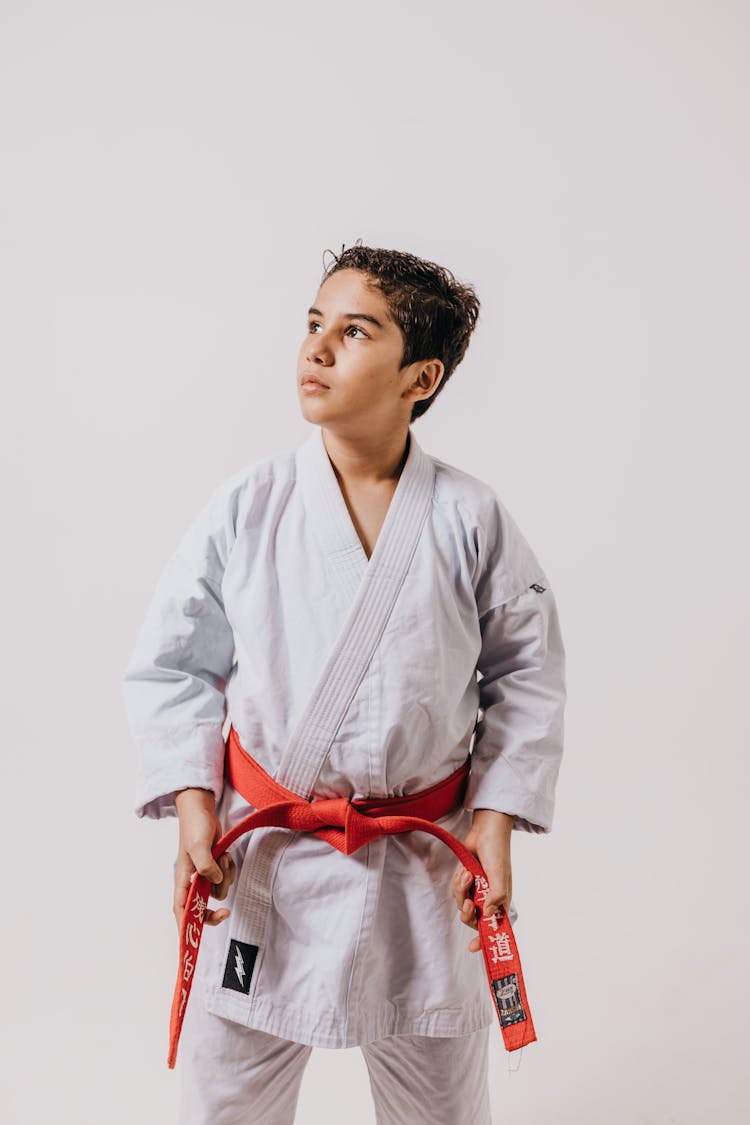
(318, 355)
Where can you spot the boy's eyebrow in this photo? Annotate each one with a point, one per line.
(348, 316)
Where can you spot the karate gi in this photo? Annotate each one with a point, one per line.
(242, 620)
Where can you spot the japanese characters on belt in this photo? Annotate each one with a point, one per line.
(354, 678)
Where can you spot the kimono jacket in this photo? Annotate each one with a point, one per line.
(243, 618)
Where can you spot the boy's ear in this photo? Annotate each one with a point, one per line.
(426, 379)
(430, 376)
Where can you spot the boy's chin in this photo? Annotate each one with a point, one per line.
(313, 411)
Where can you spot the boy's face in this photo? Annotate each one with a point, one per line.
(357, 360)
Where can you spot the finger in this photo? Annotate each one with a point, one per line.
(180, 893)
(215, 917)
(178, 905)
(498, 872)
(474, 945)
(184, 866)
(469, 914)
(462, 880)
(495, 900)
(221, 890)
(210, 917)
(182, 876)
(205, 864)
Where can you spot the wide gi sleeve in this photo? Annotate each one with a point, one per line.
(173, 685)
(519, 736)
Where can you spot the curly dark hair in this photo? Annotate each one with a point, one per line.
(436, 313)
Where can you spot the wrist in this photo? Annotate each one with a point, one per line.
(499, 820)
(194, 796)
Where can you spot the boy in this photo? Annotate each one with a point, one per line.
(292, 560)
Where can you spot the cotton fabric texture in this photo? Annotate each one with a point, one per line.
(413, 1079)
(244, 614)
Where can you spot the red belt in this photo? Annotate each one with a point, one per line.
(347, 825)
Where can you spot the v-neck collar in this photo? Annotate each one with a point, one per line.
(333, 525)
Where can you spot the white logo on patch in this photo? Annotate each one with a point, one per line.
(239, 967)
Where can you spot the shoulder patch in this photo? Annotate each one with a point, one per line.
(539, 589)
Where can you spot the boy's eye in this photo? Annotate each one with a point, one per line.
(313, 324)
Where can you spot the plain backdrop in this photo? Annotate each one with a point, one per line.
(171, 177)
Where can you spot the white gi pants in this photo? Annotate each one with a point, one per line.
(235, 1075)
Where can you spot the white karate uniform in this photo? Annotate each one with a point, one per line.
(232, 1075)
(351, 948)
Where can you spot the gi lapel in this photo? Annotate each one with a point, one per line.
(374, 585)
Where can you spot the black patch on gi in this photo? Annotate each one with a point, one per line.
(539, 589)
(239, 966)
(509, 1006)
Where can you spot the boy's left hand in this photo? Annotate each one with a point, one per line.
(489, 840)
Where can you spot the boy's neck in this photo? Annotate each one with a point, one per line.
(361, 463)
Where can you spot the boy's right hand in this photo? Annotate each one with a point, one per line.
(200, 828)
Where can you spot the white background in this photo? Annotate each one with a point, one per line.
(171, 175)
